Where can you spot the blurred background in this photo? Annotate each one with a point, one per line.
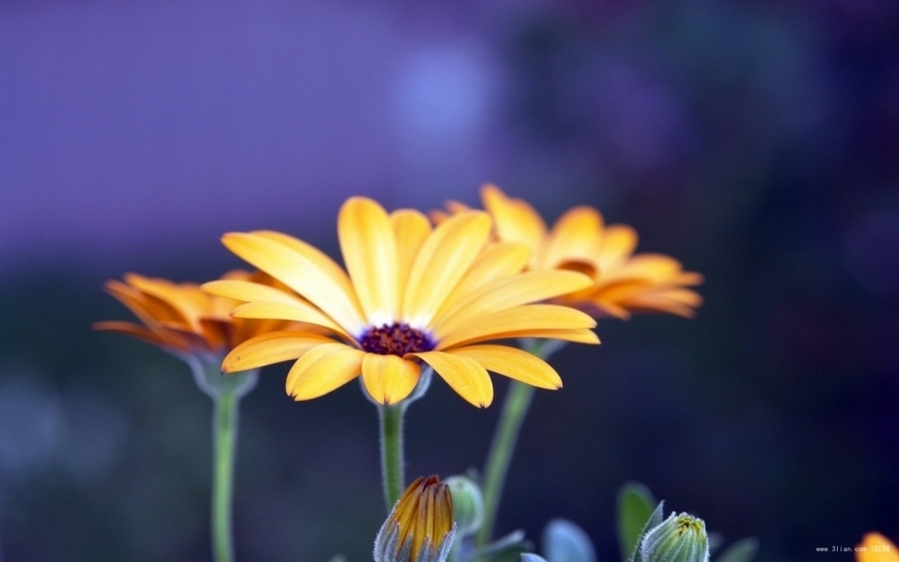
(757, 142)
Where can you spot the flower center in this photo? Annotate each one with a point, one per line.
(396, 339)
(688, 524)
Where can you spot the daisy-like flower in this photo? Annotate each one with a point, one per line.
(411, 294)
(876, 548)
(580, 241)
(183, 319)
(197, 327)
(420, 526)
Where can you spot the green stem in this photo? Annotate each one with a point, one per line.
(225, 441)
(392, 462)
(515, 408)
(226, 392)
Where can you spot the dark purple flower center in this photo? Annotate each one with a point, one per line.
(396, 339)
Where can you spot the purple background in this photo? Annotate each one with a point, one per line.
(755, 141)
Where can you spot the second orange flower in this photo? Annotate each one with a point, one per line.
(581, 241)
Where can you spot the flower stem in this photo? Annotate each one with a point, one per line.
(391, 427)
(515, 408)
(225, 442)
(392, 461)
(226, 392)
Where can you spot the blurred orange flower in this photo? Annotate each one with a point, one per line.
(876, 548)
(623, 282)
(183, 319)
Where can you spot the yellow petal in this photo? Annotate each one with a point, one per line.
(443, 259)
(389, 378)
(515, 220)
(149, 310)
(246, 328)
(464, 375)
(647, 295)
(513, 363)
(229, 293)
(496, 261)
(673, 301)
(270, 348)
(296, 312)
(247, 291)
(302, 268)
(648, 266)
(876, 548)
(369, 249)
(437, 216)
(452, 207)
(133, 330)
(576, 336)
(598, 307)
(455, 207)
(688, 278)
(411, 229)
(576, 236)
(207, 337)
(323, 369)
(617, 291)
(217, 308)
(618, 243)
(321, 259)
(180, 298)
(519, 320)
(526, 288)
(681, 295)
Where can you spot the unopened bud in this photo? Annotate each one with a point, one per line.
(468, 504)
(680, 538)
(420, 526)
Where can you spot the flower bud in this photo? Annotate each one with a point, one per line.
(468, 504)
(680, 538)
(420, 526)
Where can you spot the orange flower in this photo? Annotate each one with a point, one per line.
(876, 548)
(580, 241)
(411, 294)
(181, 318)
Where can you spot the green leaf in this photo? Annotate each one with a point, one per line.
(563, 541)
(654, 521)
(635, 505)
(741, 551)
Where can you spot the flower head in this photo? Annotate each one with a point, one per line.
(876, 548)
(411, 294)
(420, 526)
(180, 317)
(580, 241)
(680, 538)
